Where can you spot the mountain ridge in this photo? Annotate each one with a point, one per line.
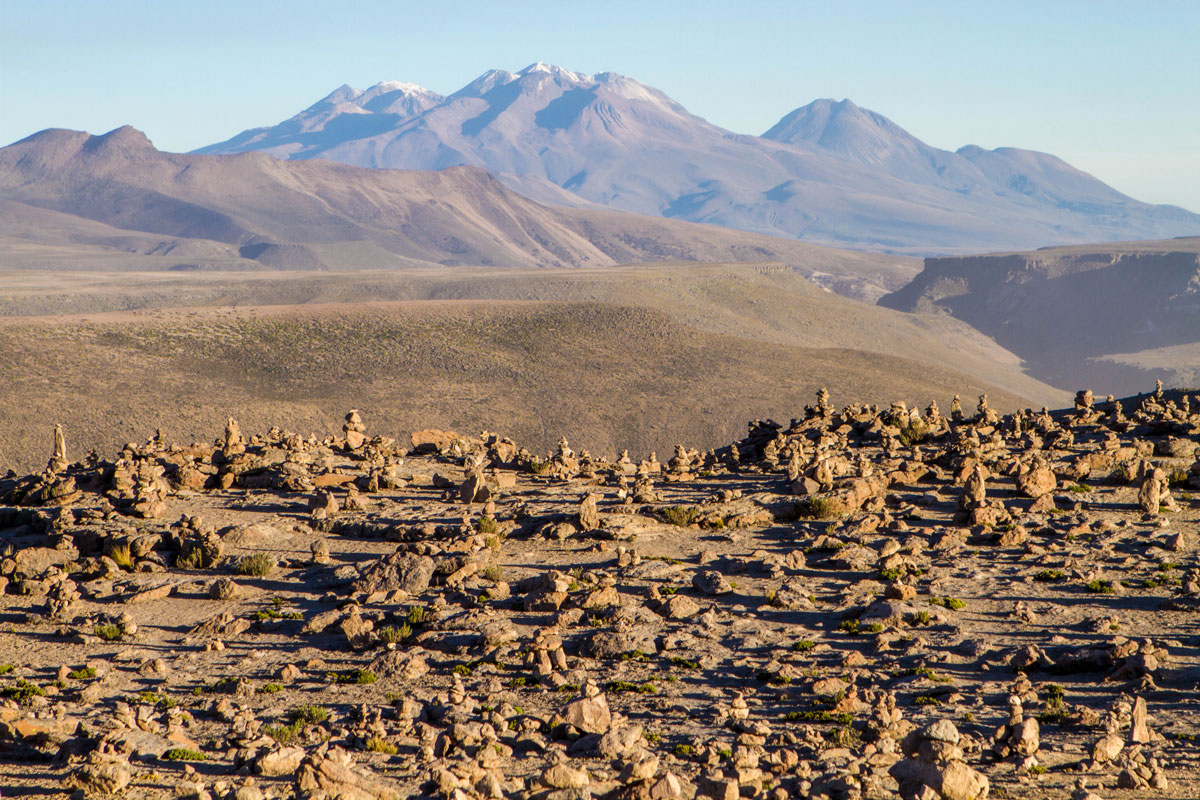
(829, 172)
(251, 210)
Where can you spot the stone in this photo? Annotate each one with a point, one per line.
(406, 572)
(589, 517)
(560, 776)
(711, 582)
(588, 714)
(679, 606)
(283, 761)
(1139, 732)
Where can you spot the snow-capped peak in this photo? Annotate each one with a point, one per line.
(387, 87)
(557, 72)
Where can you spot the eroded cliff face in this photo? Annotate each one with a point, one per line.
(1070, 312)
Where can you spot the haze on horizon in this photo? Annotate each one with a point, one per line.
(1106, 86)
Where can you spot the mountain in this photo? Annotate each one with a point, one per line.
(1107, 316)
(828, 172)
(72, 200)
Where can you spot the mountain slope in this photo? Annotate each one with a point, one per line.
(828, 172)
(117, 191)
(1115, 316)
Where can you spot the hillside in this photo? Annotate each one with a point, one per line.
(635, 357)
(74, 200)
(1114, 315)
(828, 172)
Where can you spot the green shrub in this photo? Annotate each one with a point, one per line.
(1100, 587)
(107, 631)
(354, 676)
(803, 646)
(619, 687)
(123, 556)
(1050, 576)
(915, 432)
(308, 714)
(84, 674)
(377, 744)
(488, 525)
(681, 516)
(184, 754)
(258, 565)
(270, 688)
(817, 507)
(22, 690)
(393, 635)
(818, 716)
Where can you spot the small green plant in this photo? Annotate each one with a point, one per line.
(620, 687)
(83, 674)
(270, 688)
(1098, 586)
(488, 525)
(891, 574)
(803, 646)
(123, 556)
(377, 744)
(683, 750)
(1037, 769)
(651, 737)
(926, 700)
(354, 676)
(1050, 576)
(22, 690)
(915, 432)
(681, 516)
(299, 718)
(258, 565)
(929, 674)
(417, 616)
(853, 627)
(462, 669)
(955, 603)
(184, 754)
(107, 631)
(817, 507)
(539, 467)
(493, 573)
(818, 716)
(393, 635)
(6, 668)
(922, 618)
(308, 714)
(774, 678)
(685, 663)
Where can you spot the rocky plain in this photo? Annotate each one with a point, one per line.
(865, 601)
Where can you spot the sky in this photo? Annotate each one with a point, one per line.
(1112, 87)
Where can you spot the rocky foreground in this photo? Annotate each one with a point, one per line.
(865, 603)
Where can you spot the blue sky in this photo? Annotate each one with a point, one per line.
(1113, 87)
